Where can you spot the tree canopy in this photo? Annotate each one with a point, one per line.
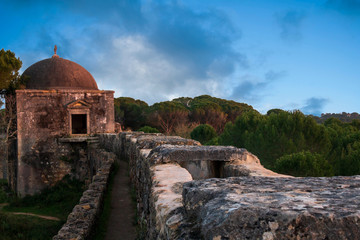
(203, 133)
(9, 70)
(130, 113)
(167, 115)
(186, 113)
(288, 141)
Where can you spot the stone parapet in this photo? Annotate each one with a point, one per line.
(233, 196)
(160, 165)
(81, 221)
(165, 203)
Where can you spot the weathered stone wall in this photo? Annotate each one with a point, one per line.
(43, 116)
(160, 165)
(81, 222)
(234, 197)
(273, 208)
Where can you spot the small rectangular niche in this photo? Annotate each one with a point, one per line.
(78, 123)
(204, 169)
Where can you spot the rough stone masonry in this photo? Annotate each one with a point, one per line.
(233, 196)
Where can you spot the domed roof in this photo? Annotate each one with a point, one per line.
(58, 73)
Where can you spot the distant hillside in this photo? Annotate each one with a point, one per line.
(344, 117)
(178, 116)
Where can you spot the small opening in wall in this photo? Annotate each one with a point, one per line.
(204, 169)
(78, 124)
(217, 168)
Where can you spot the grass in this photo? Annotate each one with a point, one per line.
(5, 193)
(18, 227)
(57, 201)
(104, 218)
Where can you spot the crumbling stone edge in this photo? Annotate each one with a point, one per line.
(82, 220)
(189, 191)
(160, 165)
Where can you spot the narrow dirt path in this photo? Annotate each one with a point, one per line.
(30, 214)
(36, 215)
(120, 224)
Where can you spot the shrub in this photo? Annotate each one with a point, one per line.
(213, 141)
(203, 133)
(303, 164)
(148, 129)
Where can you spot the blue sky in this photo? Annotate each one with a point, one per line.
(284, 54)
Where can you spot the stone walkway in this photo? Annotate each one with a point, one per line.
(122, 216)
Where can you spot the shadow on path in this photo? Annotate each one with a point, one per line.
(122, 215)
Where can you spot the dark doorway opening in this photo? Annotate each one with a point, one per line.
(78, 124)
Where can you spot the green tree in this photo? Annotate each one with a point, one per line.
(130, 113)
(274, 111)
(148, 129)
(167, 115)
(275, 135)
(209, 113)
(216, 112)
(232, 109)
(304, 164)
(10, 80)
(9, 70)
(203, 133)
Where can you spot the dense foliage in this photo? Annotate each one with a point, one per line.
(179, 116)
(167, 115)
(304, 164)
(288, 142)
(296, 144)
(148, 129)
(9, 69)
(203, 133)
(130, 113)
(344, 117)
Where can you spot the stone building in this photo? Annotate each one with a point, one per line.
(58, 113)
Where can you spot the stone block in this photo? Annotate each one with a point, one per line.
(274, 208)
(153, 141)
(166, 211)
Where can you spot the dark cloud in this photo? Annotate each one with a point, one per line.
(163, 45)
(314, 106)
(199, 41)
(290, 24)
(249, 89)
(127, 13)
(351, 7)
(273, 75)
